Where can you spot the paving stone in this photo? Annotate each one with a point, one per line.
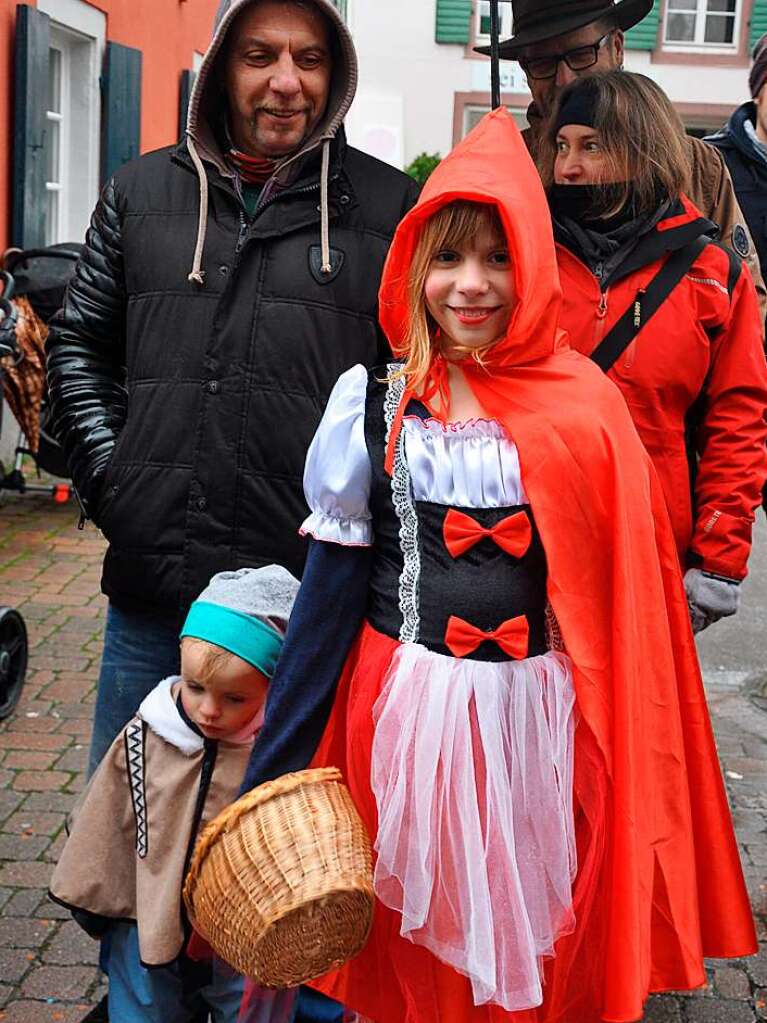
(14, 963)
(40, 1012)
(33, 741)
(5, 894)
(8, 802)
(27, 760)
(60, 802)
(40, 781)
(5, 994)
(50, 910)
(24, 933)
(25, 875)
(74, 760)
(23, 847)
(32, 823)
(662, 1009)
(760, 1003)
(66, 982)
(72, 947)
(24, 902)
(757, 968)
(730, 982)
(715, 1010)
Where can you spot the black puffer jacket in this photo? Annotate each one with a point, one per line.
(186, 410)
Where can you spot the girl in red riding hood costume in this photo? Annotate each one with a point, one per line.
(492, 642)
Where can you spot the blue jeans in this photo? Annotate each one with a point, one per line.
(139, 651)
(171, 994)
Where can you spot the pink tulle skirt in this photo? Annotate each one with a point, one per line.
(472, 774)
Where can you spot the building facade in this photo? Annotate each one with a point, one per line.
(84, 87)
(422, 87)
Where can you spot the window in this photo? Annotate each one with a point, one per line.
(55, 146)
(73, 117)
(702, 23)
(482, 27)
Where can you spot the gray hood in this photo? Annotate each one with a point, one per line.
(205, 107)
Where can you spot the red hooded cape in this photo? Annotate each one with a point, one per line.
(660, 883)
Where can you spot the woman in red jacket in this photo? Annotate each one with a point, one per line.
(669, 312)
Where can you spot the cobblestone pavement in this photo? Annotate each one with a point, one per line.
(48, 972)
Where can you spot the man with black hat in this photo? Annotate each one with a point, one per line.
(556, 41)
(743, 144)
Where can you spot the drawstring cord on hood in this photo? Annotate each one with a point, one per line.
(197, 276)
(326, 268)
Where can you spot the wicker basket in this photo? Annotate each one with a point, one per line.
(280, 884)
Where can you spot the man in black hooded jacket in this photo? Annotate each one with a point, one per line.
(226, 283)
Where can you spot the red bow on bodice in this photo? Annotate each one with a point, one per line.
(462, 638)
(513, 534)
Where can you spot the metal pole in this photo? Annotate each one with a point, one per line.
(495, 56)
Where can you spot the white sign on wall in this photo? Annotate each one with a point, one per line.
(512, 77)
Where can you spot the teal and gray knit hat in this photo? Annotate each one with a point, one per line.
(245, 612)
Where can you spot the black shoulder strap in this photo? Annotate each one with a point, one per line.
(647, 302)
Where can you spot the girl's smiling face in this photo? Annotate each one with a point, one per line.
(580, 158)
(469, 290)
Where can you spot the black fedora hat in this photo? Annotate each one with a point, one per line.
(538, 20)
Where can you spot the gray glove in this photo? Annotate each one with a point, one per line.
(710, 597)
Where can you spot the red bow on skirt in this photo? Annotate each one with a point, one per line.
(462, 638)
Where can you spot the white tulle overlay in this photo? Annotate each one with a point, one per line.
(472, 775)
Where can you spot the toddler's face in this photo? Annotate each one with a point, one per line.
(221, 700)
(470, 291)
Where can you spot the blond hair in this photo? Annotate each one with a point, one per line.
(454, 226)
(642, 136)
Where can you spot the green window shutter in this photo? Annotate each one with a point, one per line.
(33, 40)
(453, 21)
(644, 36)
(758, 23)
(121, 117)
(340, 6)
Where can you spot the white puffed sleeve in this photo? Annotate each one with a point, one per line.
(337, 473)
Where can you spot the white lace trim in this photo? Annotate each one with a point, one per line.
(404, 507)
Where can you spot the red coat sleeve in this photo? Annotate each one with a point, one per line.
(731, 438)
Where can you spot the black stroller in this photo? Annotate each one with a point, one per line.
(32, 285)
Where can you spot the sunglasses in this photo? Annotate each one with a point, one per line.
(579, 59)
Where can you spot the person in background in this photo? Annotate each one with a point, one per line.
(743, 144)
(692, 370)
(175, 766)
(556, 42)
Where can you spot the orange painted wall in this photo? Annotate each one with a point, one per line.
(166, 31)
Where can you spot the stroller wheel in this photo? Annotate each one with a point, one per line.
(13, 659)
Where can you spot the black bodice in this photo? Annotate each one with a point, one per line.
(484, 586)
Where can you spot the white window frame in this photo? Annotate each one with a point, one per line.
(698, 43)
(78, 30)
(59, 183)
(480, 109)
(482, 9)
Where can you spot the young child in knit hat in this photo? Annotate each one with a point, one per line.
(173, 768)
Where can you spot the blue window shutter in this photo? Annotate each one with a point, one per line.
(644, 36)
(33, 40)
(121, 118)
(185, 95)
(453, 21)
(757, 26)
